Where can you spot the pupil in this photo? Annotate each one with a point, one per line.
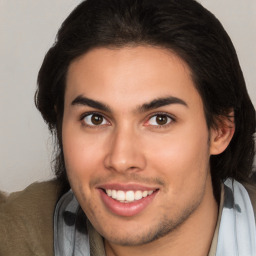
(161, 119)
(96, 119)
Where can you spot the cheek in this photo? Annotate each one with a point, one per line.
(181, 156)
(82, 153)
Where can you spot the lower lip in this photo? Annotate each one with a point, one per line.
(126, 209)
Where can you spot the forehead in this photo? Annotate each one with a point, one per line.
(130, 75)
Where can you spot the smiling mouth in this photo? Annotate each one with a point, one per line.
(128, 196)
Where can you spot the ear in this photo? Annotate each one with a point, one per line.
(222, 133)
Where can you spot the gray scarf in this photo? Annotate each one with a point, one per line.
(237, 233)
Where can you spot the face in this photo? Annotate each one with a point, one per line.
(136, 144)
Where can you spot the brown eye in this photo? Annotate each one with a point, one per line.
(94, 120)
(159, 120)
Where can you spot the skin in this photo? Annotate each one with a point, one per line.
(129, 146)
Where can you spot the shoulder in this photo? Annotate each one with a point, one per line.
(26, 220)
(251, 189)
(3, 197)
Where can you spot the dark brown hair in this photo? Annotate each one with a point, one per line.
(183, 26)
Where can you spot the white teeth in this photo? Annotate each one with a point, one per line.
(128, 196)
(120, 195)
(109, 192)
(144, 193)
(138, 195)
(113, 194)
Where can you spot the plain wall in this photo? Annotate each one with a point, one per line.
(27, 30)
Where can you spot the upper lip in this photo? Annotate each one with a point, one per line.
(127, 187)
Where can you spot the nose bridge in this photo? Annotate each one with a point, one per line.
(124, 153)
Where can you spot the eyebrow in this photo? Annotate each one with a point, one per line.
(156, 103)
(81, 100)
(160, 102)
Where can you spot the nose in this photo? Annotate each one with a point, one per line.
(125, 152)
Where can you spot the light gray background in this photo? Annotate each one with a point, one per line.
(27, 30)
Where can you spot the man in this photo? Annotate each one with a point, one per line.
(155, 134)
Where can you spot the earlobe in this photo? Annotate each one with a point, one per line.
(221, 136)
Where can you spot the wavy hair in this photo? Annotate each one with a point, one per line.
(182, 26)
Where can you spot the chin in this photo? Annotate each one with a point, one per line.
(142, 234)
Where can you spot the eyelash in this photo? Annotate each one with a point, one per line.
(83, 116)
(172, 119)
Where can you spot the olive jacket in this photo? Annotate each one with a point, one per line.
(26, 221)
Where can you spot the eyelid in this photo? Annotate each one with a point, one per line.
(173, 119)
(84, 115)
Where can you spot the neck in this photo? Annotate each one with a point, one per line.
(193, 236)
